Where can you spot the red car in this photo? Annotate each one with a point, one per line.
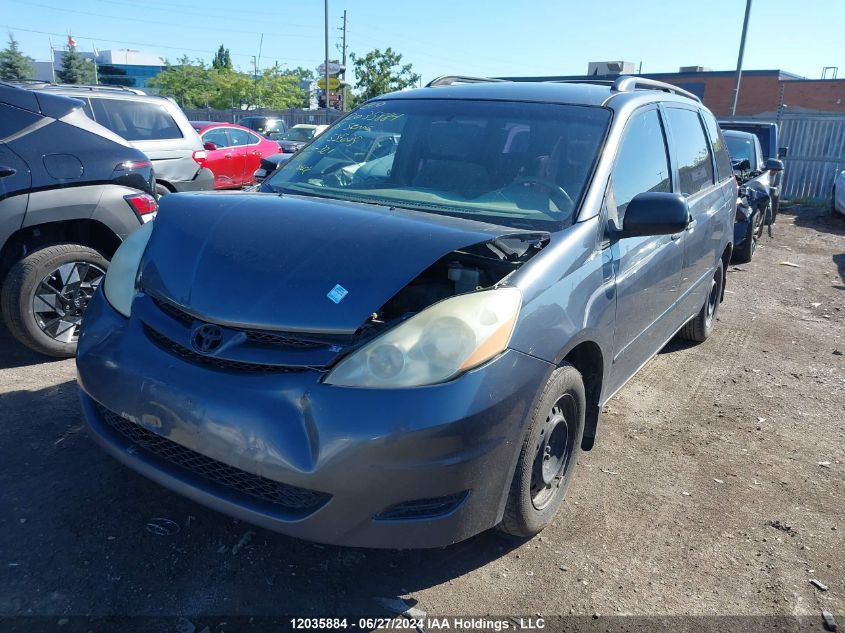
(232, 152)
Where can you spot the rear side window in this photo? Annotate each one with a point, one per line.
(217, 136)
(241, 137)
(13, 120)
(695, 166)
(720, 150)
(641, 165)
(136, 120)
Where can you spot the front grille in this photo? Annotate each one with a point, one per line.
(291, 498)
(423, 508)
(213, 362)
(174, 311)
(256, 336)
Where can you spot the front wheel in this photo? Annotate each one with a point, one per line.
(46, 293)
(700, 327)
(745, 253)
(547, 459)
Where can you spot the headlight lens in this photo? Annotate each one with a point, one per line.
(119, 286)
(440, 342)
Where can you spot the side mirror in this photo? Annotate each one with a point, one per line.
(782, 152)
(772, 164)
(210, 146)
(655, 213)
(742, 165)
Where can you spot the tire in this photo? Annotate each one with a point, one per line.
(700, 327)
(45, 293)
(161, 190)
(745, 253)
(555, 431)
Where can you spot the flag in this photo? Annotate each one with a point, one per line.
(70, 41)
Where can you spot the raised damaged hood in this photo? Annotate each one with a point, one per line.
(283, 262)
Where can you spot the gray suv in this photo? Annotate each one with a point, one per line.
(70, 192)
(406, 348)
(155, 125)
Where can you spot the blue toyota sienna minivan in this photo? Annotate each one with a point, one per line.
(407, 336)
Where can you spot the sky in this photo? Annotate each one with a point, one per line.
(480, 37)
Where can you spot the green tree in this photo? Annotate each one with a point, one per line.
(75, 68)
(14, 65)
(279, 89)
(230, 89)
(379, 72)
(222, 59)
(190, 83)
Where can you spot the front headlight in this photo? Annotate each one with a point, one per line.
(440, 342)
(119, 286)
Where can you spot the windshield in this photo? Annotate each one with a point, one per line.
(298, 134)
(524, 165)
(741, 148)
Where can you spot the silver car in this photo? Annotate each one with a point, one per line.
(155, 125)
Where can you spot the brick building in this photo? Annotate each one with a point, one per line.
(761, 91)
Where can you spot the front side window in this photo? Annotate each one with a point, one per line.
(695, 164)
(518, 164)
(135, 120)
(641, 165)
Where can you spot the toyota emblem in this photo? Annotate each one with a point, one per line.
(207, 338)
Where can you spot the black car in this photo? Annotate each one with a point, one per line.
(767, 135)
(271, 127)
(70, 192)
(756, 177)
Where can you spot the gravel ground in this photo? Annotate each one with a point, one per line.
(715, 487)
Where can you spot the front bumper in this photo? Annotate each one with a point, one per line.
(202, 181)
(363, 451)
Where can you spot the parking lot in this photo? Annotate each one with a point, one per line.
(716, 486)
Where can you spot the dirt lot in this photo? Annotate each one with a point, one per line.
(717, 486)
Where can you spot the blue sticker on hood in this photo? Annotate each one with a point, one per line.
(337, 293)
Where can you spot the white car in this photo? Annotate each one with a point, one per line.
(839, 193)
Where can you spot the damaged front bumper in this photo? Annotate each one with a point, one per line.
(414, 467)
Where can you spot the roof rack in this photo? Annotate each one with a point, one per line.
(448, 80)
(35, 83)
(627, 83)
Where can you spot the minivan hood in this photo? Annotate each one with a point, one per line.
(271, 262)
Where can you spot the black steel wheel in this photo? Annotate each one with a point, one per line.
(548, 455)
(700, 327)
(45, 295)
(553, 451)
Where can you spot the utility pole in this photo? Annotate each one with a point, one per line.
(96, 74)
(255, 81)
(343, 50)
(326, 91)
(741, 52)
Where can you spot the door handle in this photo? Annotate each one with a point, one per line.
(227, 156)
(675, 236)
(7, 171)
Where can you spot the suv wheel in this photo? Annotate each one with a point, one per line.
(161, 190)
(45, 294)
(547, 460)
(700, 327)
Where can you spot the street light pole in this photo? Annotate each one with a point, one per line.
(741, 52)
(326, 69)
